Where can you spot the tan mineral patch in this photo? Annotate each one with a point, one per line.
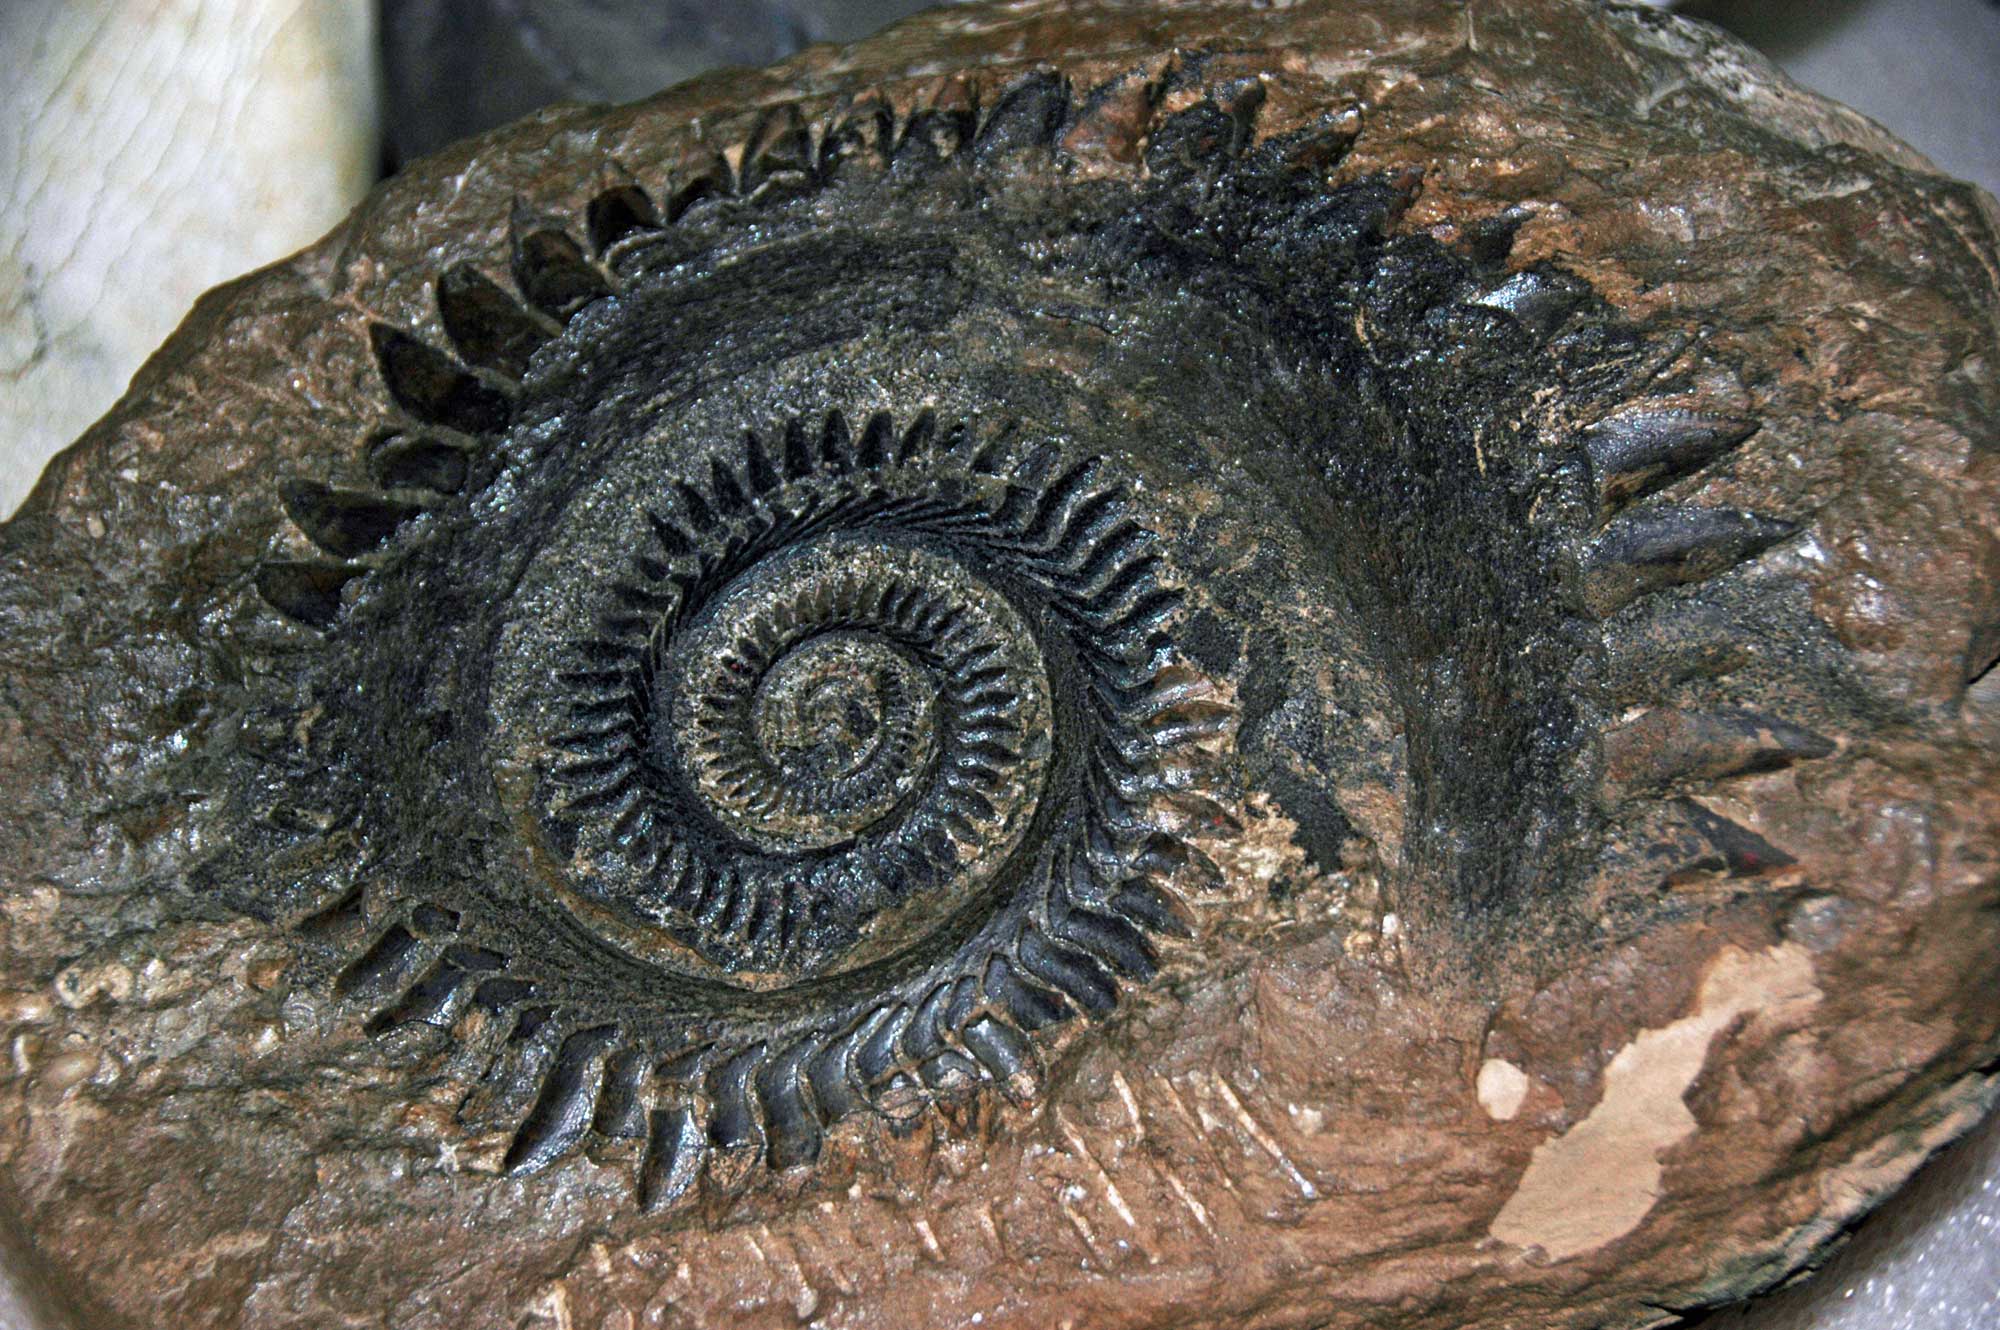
(1501, 1087)
(1596, 1182)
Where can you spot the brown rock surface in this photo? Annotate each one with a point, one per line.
(1570, 452)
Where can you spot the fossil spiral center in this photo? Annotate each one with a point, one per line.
(840, 730)
(834, 692)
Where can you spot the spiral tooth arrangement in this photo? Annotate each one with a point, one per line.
(468, 399)
(855, 728)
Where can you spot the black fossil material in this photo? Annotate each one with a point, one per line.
(818, 617)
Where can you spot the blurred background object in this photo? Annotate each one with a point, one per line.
(1927, 69)
(455, 67)
(152, 148)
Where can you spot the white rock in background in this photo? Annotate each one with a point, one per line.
(150, 149)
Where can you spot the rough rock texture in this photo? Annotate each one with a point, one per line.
(1420, 581)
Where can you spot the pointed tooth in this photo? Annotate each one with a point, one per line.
(1672, 641)
(757, 465)
(704, 175)
(675, 1150)
(862, 132)
(425, 382)
(618, 213)
(919, 437)
(1733, 848)
(567, 1103)
(723, 485)
(876, 437)
(1000, 1049)
(1072, 973)
(345, 523)
(308, 592)
(831, 1071)
(836, 443)
(1219, 127)
(1112, 940)
(1030, 1007)
(1151, 908)
(1028, 115)
(1667, 745)
(1636, 452)
(417, 461)
(941, 129)
(432, 1000)
(621, 1105)
(792, 1133)
(487, 325)
(778, 144)
(699, 514)
(948, 1072)
(923, 1037)
(732, 1117)
(508, 1090)
(878, 1055)
(392, 955)
(1648, 551)
(496, 995)
(552, 272)
(798, 452)
(343, 916)
(1539, 301)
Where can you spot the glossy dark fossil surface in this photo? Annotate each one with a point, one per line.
(1126, 668)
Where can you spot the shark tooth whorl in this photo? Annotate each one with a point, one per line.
(818, 702)
(839, 617)
(858, 685)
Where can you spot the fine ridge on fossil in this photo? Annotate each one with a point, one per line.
(1029, 668)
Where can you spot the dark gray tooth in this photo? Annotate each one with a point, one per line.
(1028, 115)
(1648, 551)
(345, 523)
(1675, 639)
(621, 1104)
(567, 1104)
(792, 1133)
(489, 327)
(999, 1047)
(434, 388)
(732, 1119)
(1667, 745)
(1636, 452)
(618, 213)
(306, 591)
(417, 461)
(1073, 973)
(1538, 301)
(552, 272)
(675, 1150)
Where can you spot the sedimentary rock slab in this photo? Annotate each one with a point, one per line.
(1104, 665)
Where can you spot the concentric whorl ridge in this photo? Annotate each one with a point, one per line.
(818, 700)
(807, 709)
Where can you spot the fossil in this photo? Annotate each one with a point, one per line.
(917, 654)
